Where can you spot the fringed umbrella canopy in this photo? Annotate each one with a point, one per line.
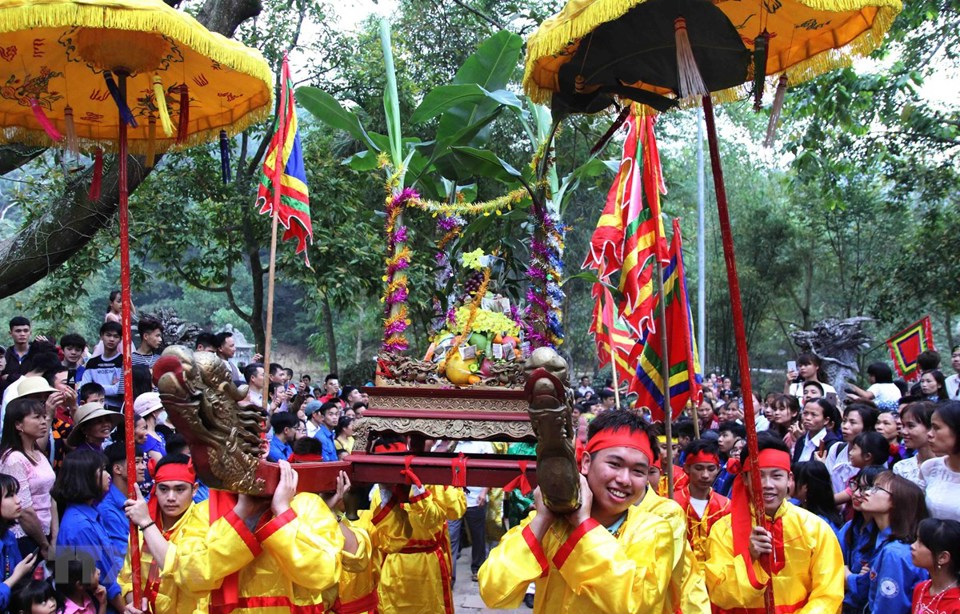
(57, 55)
(806, 38)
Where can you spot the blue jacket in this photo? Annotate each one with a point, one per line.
(115, 522)
(81, 529)
(724, 482)
(856, 554)
(327, 446)
(9, 557)
(279, 450)
(891, 578)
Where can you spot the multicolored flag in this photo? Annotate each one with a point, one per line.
(283, 166)
(630, 233)
(613, 338)
(907, 345)
(685, 378)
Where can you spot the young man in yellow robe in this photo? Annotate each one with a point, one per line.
(799, 551)
(160, 521)
(410, 531)
(258, 555)
(609, 555)
(703, 505)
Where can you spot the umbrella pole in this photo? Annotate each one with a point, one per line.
(126, 308)
(739, 330)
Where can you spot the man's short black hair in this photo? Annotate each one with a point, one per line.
(73, 340)
(42, 360)
(148, 325)
(330, 376)
(111, 327)
(710, 446)
(345, 391)
(283, 419)
(289, 372)
(275, 367)
(306, 376)
(605, 394)
(207, 340)
(328, 406)
(307, 445)
(220, 338)
(881, 372)
(116, 452)
(734, 428)
(88, 390)
(250, 370)
(928, 360)
(18, 321)
(765, 441)
(684, 429)
(176, 444)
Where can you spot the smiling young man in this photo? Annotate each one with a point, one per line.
(799, 550)
(607, 556)
(702, 505)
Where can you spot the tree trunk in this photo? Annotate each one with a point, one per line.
(358, 356)
(71, 220)
(328, 332)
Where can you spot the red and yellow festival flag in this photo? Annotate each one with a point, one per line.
(291, 202)
(907, 345)
(685, 378)
(613, 338)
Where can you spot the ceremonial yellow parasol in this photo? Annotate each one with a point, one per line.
(802, 39)
(65, 69)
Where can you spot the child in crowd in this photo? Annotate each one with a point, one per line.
(897, 507)
(38, 597)
(937, 550)
(78, 582)
(811, 487)
(14, 568)
(888, 425)
(857, 418)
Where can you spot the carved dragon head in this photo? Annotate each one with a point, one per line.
(204, 405)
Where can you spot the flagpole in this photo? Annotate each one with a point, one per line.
(277, 187)
(665, 373)
(739, 331)
(701, 251)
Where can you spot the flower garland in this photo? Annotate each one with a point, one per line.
(395, 312)
(543, 316)
(485, 208)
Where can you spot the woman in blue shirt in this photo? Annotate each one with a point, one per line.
(857, 538)
(81, 484)
(897, 507)
(14, 568)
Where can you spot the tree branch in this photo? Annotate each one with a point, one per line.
(490, 20)
(195, 282)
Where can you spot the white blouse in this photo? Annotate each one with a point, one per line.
(943, 489)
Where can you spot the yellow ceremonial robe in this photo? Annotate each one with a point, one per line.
(162, 593)
(415, 572)
(688, 590)
(810, 581)
(585, 569)
(358, 585)
(291, 562)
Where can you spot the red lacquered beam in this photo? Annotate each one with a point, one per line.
(489, 472)
(440, 414)
(312, 477)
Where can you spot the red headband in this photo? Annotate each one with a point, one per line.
(176, 472)
(767, 459)
(397, 446)
(702, 457)
(621, 436)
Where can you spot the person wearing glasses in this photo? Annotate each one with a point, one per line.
(897, 507)
(858, 537)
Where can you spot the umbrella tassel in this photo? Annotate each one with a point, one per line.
(120, 102)
(94, 193)
(160, 97)
(151, 157)
(184, 123)
(689, 81)
(224, 157)
(624, 114)
(775, 110)
(44, 121)
(73, 143)
(761, 45)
